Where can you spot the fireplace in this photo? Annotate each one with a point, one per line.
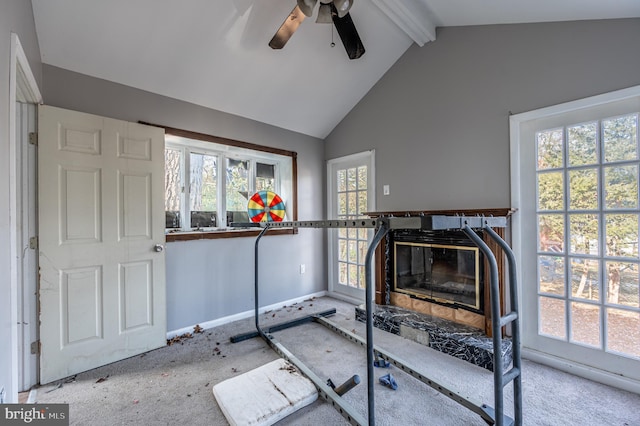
(433, 287)
(460, 292)
(439, 273)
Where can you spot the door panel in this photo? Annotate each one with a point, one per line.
(102, 290)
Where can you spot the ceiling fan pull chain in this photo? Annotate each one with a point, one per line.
(332, 42)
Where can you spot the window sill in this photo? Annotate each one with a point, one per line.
(226, 233)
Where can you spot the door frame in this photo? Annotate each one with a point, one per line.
(23, 87)
(521, 228)
(370, 158)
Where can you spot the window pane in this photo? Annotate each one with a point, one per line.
(622, 235)
(585, 324)
(353, 275)
(362, 202)
(622, 284)
(362, 177)
(623, 332)
(172, 187)
(551, 273)
(265, 177)
(621, 187)
(585, 279)
(549, 148)
(551, 233)
(583, 233)
(342, 250)
(582, 144)
(342, 180)
(362, 252)
(353, 252)
(352, 209)
(237, 181)
(583, 189)
(203, 199)
(351, 179)
(342, 204)
(342, 273)
(550, 191)
(552, 320)
(620, 138)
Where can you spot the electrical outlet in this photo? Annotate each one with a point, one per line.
(385, 189)
(303, 268)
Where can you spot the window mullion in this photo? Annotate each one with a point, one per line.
(186, 189)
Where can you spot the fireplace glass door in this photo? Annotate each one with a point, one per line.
(440, 273)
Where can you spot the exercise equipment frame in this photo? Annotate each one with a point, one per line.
(467, 224)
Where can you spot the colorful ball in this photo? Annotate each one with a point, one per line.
(266, 206)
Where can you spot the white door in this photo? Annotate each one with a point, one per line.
(577, 230)
(101, 220)
(351, 193)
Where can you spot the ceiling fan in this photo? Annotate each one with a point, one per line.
(329, 11)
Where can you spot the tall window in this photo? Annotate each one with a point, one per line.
(587, 217)
(208, 184)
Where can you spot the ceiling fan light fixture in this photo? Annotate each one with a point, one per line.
(343, 6)
(306, 6)
(324, 14)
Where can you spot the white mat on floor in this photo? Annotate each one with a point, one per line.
(264, 395)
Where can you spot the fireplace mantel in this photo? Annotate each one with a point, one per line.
(384, 296)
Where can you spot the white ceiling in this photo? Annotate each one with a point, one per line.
(215, 53)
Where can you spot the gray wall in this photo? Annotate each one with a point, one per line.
(210, 279)
(439, 118)
(15, 16)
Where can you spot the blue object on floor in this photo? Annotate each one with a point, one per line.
(388, 381)
(381, 363)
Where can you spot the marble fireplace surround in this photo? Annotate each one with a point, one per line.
(458, 332)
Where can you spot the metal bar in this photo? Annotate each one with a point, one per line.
(466, 402)
(282, 326)
(256, 294)
(494, 290)
(515, 329)
(435, 222)
(369, 291)
(351, 383)
(510, 317)
(510, 375)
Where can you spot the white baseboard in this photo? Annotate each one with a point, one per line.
(242, 315)
(345, 298)
(582, 370)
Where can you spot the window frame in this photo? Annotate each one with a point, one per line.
(225, 231)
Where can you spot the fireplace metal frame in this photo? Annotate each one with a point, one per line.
(467, 224)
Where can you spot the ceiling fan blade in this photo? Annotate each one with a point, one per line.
(286, 30)
(348, 34)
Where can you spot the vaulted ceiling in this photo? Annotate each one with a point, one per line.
(215, 53)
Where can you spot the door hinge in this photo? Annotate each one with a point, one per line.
(35, 347)
(33, 138)
(33, 243)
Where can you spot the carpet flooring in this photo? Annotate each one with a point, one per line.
(173, 385)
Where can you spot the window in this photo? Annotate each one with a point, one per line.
(587, 219)
(209, 180)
